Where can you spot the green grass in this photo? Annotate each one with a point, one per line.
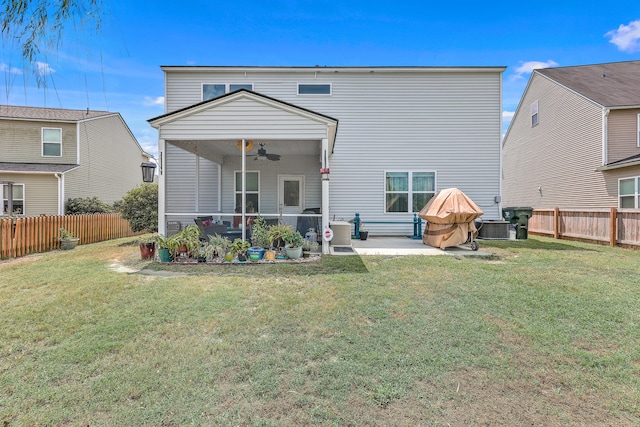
(545, 331)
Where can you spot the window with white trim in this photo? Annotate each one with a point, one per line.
(534, 114)
(210, 91)
(628, 193)
(18, 199)
(252, 191)
(408, 192)
(52, 142)
(314, 88)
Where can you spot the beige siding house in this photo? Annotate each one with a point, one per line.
(574, 141)
(49, 155)
(388, 139)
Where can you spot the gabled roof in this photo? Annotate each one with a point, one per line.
(36, 167)
(613, 85)
(235, 94)
(49, 114)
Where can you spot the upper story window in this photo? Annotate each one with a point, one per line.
(52, 142)
(628, 193)
(314, 89)
(534, 113)
(17, 199)
(210, 91)
(408, 191)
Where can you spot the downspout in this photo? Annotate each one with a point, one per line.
(219, 188)
(60, 178)
(605, 133)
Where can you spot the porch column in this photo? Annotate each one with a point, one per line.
(325, 196)
(162, 221)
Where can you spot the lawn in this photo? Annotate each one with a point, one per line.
(543, 332)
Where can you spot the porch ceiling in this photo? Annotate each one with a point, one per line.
(216, 150)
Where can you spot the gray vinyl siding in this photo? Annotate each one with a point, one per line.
(21, 141)
(622, 134)
(40, 192)
(560, 154)
(180, 178)
(110, 159)
(446, 121)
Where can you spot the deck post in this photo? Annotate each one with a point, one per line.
(613, 226)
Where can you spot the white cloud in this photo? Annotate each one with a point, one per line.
(42, 68)
(626, 37)
(529, 66)
(153, 102)
(507, 115)
(12, 70)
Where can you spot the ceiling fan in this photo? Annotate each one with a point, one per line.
(263, 155)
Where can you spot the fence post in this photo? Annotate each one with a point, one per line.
(556, 223)
(613, 227)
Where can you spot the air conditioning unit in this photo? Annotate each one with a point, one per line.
(341, 233)
(489, 229)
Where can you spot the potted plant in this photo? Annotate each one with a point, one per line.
(259, 238)
(217, 246)
(166, 247)
(364, 233)
(68, 240)
(187, 240)
(239, 249)
(148, 247)
(277, 233)
(293, 244)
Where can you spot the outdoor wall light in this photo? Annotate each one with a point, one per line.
(148, 170)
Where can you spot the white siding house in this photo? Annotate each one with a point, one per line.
(390, 136)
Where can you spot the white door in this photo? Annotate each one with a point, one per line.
(290, 197)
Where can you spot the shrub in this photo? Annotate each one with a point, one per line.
(86, 205)
(140, 207)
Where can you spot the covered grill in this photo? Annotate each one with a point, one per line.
(450, 217)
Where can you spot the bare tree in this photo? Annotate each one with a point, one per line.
(37, 24)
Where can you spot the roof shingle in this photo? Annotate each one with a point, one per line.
(52, 114)
(614, 84)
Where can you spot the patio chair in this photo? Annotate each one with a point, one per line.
(208, 227)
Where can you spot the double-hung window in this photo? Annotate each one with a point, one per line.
(210, 91)
(628, 193)
(51, 142)
(252, 191)
(534, 114)
(408, 192)
(17, 200)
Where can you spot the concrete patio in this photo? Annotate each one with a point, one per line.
(399, 245)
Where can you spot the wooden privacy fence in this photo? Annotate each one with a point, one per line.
(614, 227)
(22, 236)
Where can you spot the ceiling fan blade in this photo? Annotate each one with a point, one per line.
(274, 157)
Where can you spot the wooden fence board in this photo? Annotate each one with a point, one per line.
(22, 236)
(612, 226)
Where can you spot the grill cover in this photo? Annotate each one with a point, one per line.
(450, 219)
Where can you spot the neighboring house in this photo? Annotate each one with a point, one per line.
(390, 138)
(574, 141)
(52, 154)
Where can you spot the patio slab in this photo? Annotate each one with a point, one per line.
(399, 245)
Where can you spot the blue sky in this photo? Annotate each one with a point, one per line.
(118, 68)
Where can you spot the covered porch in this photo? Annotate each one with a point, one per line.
(240, 155)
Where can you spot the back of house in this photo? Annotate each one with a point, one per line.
(386, 139)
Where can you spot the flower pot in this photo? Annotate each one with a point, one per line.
(147, 250)
(68, 244)
(270, 255)
(293, 253)
(364, 235)
(256, 254)
(228, 257)
(242, 256)
(164, 255)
